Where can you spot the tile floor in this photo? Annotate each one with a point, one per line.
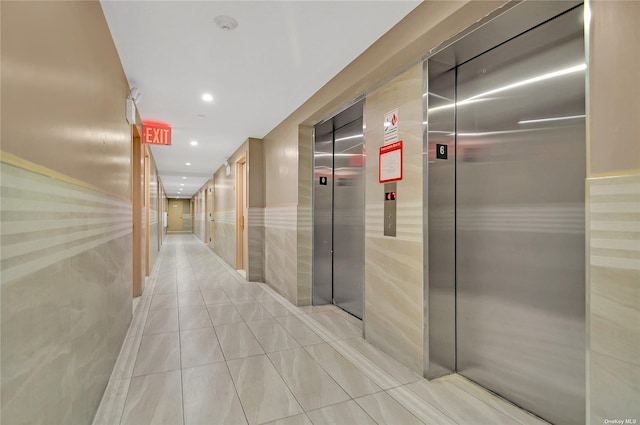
(207, 347)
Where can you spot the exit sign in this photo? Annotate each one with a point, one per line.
(156, 133)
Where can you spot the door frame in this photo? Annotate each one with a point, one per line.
(137, 180)
(241, 205)
(147, 209)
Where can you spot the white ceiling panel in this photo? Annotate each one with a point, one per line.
(280, 54)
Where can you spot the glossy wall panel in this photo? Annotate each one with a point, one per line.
(60, 96)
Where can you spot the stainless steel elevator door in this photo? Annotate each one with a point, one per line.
(348, 218)
(323, 215)
(520, 173)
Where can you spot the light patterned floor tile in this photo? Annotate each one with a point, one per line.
(237, 341)
(194, 318)
(158, 353)
(210, 396)
(199, 347)
(311, 385)
(271, 335)
(263, 394)
(354, 382)
(154, 399)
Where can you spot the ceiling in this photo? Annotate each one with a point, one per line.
(280, 54)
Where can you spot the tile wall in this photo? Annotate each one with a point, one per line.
(66, 296)
(225, 234)
(614, 297)
(280, 259)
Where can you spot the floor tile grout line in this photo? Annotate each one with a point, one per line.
(180, 348)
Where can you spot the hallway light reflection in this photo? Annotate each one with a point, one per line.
(572, 117)
(543, 77)
(342, 139)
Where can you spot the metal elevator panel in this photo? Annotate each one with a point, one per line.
(441, 199)
(338, 211)
(520, 172)
(348, 218)
(323, 215)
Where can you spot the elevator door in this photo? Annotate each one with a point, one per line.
(338, 212)
(520, 173)
(348, 218)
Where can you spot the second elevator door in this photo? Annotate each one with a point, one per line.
(338, 212)
(520, 172)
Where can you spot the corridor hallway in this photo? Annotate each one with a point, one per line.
(206, 347)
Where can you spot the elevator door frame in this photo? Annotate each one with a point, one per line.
(438, 210)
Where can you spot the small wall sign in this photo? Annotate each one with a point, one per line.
(390, 162)
(323, 180)
(441, 151)
(391, 126)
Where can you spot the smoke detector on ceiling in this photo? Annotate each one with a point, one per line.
(225, 22)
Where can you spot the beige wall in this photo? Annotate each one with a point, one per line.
(66, 211)
(613, 232)
(224, 193)
(614, 86)
(393, 265)
(46, 64)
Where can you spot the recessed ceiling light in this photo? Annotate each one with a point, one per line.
(194, 143)
(207, 97)
(187, 163)
(184, 178)
(181, 184)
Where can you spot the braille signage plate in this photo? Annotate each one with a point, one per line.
(441, 151)
(323, 180)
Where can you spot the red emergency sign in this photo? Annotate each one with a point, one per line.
(156, 133)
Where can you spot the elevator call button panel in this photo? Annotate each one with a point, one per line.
(390, 196)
